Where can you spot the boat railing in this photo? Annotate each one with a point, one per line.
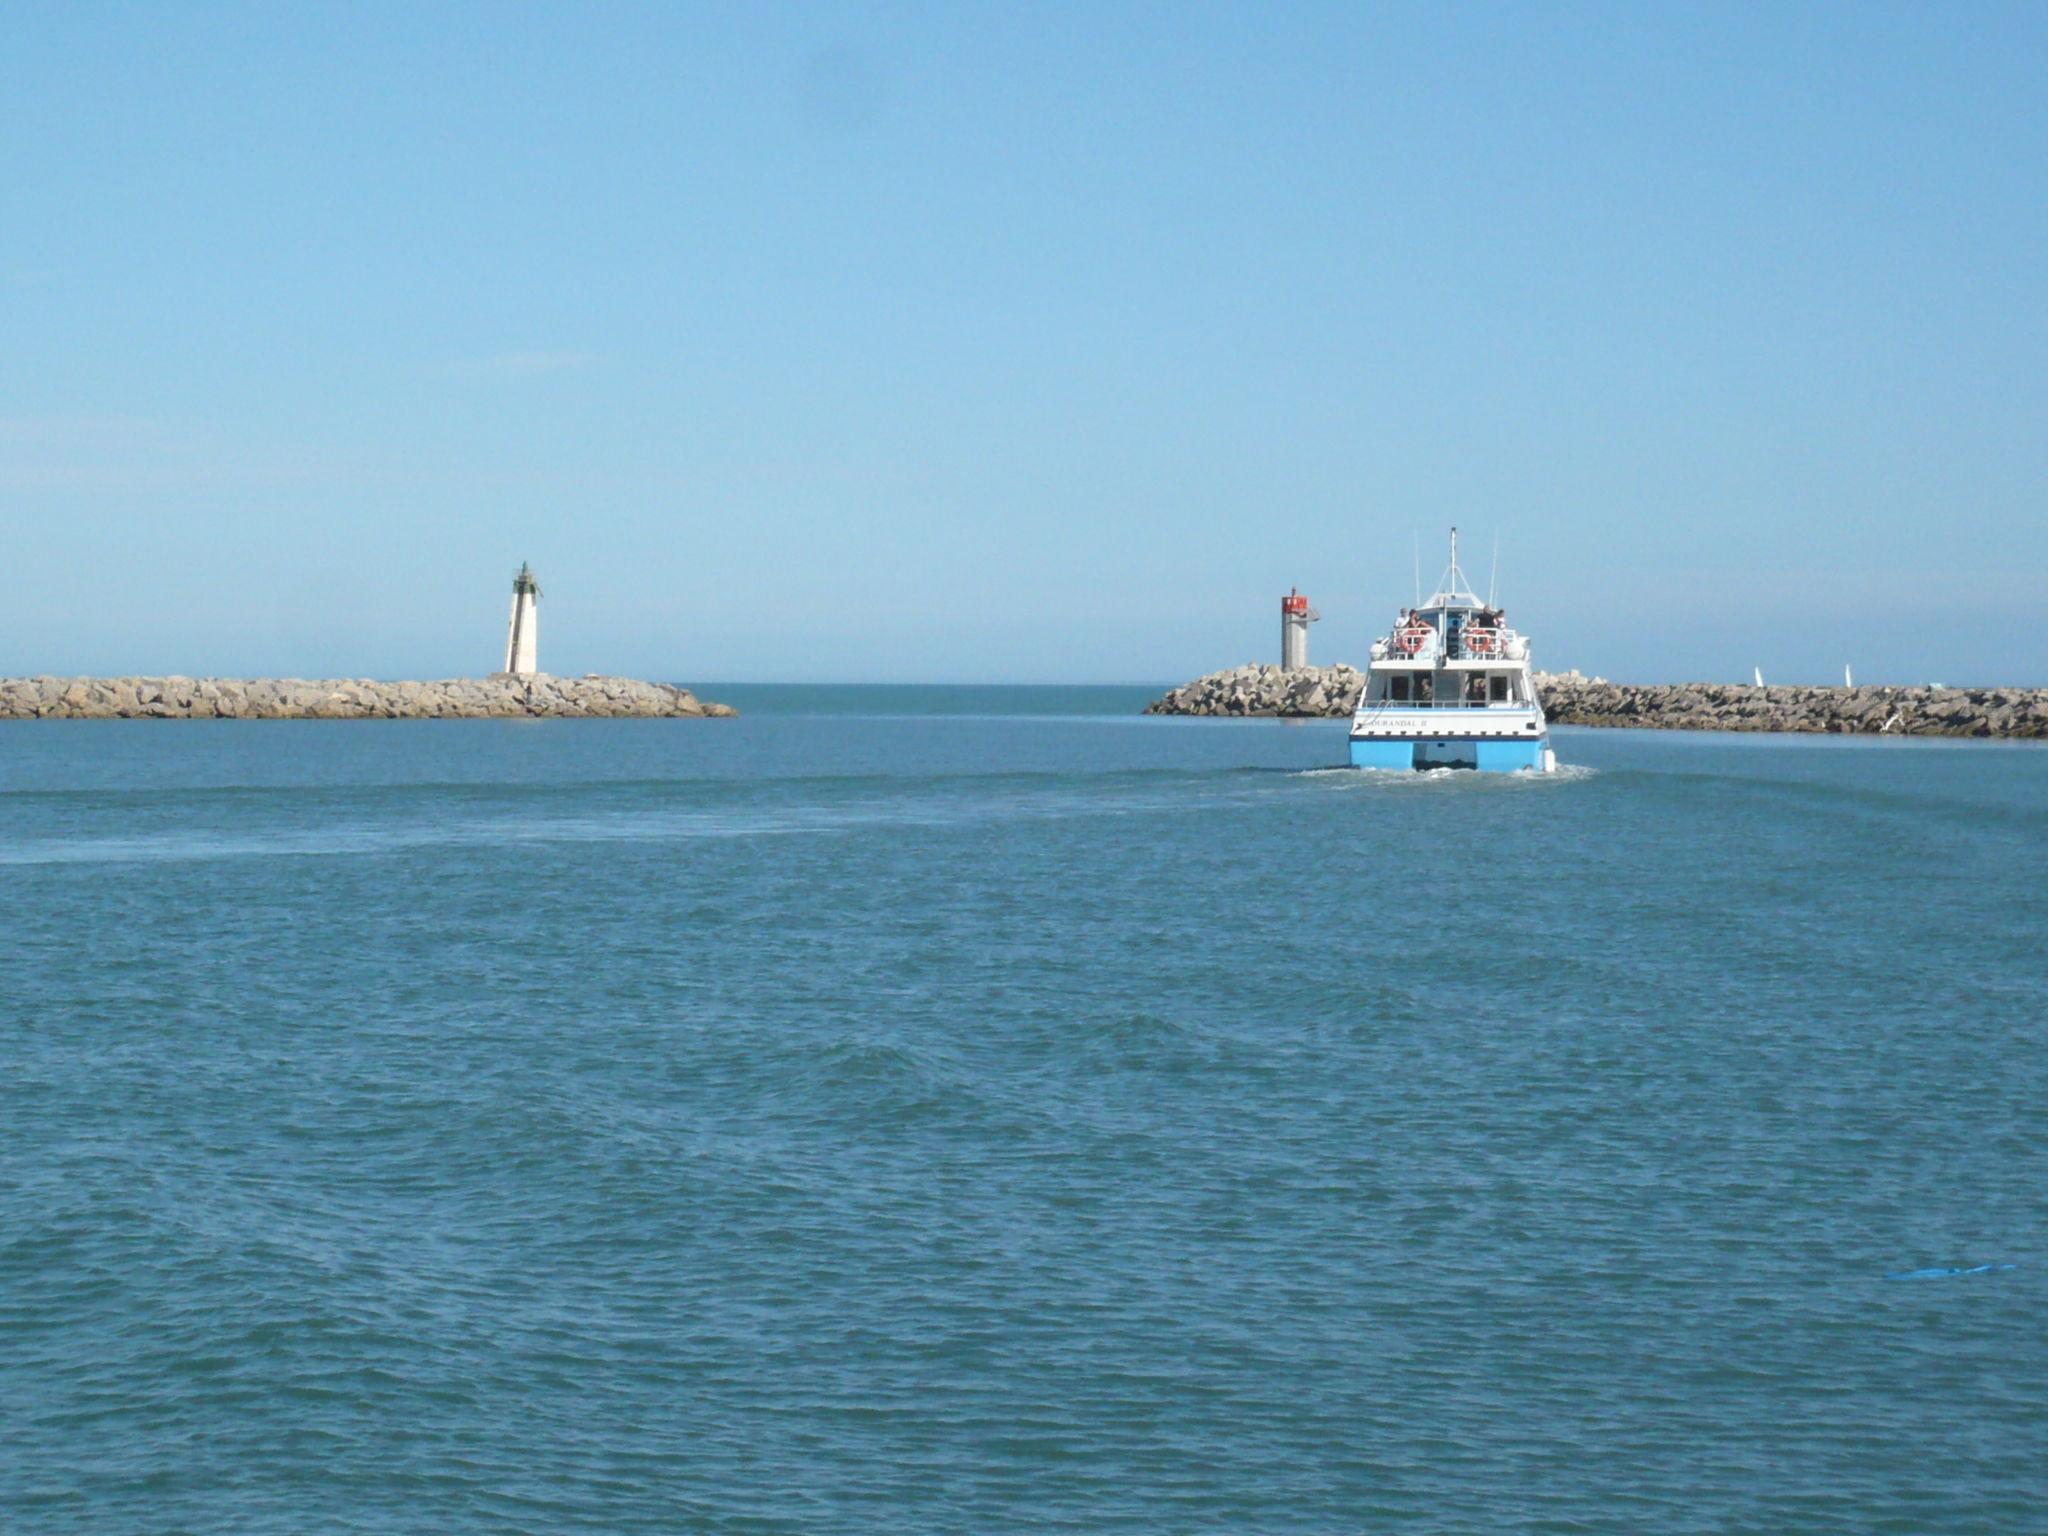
(1482, 644)
(1378, 705)
(1419, 642)
(1412, 642)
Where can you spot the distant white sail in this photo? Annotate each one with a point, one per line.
(1759, 674)
(1848, 681)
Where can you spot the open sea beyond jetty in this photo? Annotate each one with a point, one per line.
(981, 1110)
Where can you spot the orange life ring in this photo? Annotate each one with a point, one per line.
(1479, 641)
(1409, 641)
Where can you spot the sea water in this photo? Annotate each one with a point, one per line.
(989, 1110)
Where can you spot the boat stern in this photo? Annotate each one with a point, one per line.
(1405, 755)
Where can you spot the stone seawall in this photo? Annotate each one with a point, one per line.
(223, 698)
(1569, 699)
(1308, 693)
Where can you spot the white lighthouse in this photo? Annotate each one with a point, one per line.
(1295, 618)
(522, 644)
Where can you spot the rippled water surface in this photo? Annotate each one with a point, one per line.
(937, 1110)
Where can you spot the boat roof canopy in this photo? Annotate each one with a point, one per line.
(1451, 601)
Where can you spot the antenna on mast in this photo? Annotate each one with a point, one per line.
(1493, 581)
(1416, 538)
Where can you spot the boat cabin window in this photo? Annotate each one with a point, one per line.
(1498, 687)
(1397, 687)
(1422, 688)
(1475, 688)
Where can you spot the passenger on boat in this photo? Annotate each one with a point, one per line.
(1411, 632)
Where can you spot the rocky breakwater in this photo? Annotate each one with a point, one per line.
(1571, 699)
(221, 698)
(1305, 693)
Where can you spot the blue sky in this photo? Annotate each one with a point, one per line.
(1026, 343)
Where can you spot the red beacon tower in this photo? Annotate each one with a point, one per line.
(1295, 618)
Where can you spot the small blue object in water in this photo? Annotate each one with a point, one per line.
(1945, 1274)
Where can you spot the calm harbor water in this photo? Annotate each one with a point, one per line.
(983, 1110)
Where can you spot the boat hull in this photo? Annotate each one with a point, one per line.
(1408, 753)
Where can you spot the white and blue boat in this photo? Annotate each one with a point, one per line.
(1450, 687)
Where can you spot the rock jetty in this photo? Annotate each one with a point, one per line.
(1304, 693)
(223, 698)
(1571, 699)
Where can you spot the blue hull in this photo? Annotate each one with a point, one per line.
(1486, 756)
